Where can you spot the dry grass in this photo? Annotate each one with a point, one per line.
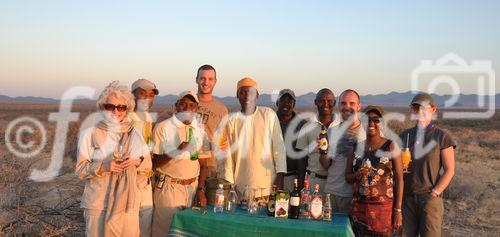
(52, 208)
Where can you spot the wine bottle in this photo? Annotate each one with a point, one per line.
(293, 213)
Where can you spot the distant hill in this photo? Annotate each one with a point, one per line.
(392, 99)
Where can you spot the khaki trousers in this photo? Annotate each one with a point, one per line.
(167, 201)
(146, 211)
(94, 223)
(422, 214)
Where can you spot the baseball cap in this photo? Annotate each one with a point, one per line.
(423, 99)
(145, 85)
(188, 93)
(286, 92)
(374, 108)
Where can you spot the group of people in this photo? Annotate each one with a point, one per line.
(139, 173)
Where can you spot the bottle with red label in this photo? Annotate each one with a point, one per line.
(316, 206)
(305, 200)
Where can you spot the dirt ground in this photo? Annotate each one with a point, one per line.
(472, 205)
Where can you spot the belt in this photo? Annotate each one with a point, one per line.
(291, 173)
(181, 181)
(161, 179)
(314, 175)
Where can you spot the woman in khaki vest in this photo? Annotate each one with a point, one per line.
(110, 155)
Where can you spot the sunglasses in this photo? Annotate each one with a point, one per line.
(375, 120)
(111, 107)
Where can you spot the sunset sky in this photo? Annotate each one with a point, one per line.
(48, 46)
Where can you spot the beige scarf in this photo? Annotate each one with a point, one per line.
(122, 186)
(111, 126)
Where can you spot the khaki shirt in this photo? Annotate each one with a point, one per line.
(96, 146)
(167, 136)
(257, 150)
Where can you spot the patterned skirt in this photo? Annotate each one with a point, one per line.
(372, 218)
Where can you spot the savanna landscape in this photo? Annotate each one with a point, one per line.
(52, 208)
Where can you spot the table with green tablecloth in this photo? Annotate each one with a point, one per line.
(192, 223)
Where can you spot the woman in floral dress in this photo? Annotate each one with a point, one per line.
(377, 177)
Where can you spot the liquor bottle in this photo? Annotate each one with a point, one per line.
(293, 213)
(272, 202)
(232, 200)
(327, 209)
(323, 140)
(305, 200)
(219, 199)
(192, 141)
(316, 206)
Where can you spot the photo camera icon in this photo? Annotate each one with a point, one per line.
(449, 75)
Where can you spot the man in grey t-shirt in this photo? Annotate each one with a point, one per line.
(342, 139)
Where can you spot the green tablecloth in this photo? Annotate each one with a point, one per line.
(241, 224)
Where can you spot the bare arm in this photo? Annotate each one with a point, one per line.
(448, 157)
(397, 167)
(200, 196)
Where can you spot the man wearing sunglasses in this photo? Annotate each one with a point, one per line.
(345, 135)
(144, 92)
(177, 142)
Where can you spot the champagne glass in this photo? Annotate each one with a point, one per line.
(118, 154)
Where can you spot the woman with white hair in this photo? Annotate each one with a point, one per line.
(110, 156)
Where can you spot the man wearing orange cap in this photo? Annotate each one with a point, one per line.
(258, 156)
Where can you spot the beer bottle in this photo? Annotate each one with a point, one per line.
(192, 141)
(272, 202)
(323, 140)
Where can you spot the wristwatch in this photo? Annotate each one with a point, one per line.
(435, 192)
